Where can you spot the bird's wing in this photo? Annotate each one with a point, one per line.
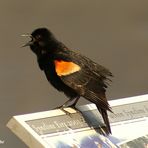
(84, 76)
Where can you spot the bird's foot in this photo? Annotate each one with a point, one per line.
(62, 109)
(74, 107)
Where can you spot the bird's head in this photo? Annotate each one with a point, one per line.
(41, 40)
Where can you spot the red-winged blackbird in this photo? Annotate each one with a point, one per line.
(71, 72)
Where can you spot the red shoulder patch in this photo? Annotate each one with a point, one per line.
(64, 68)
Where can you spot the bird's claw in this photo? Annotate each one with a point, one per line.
(73, 107)
(62, 109)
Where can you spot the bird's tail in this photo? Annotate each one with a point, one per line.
(106, 120)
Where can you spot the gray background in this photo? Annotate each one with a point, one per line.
(112, 33)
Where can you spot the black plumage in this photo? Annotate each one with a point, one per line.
(70, 72)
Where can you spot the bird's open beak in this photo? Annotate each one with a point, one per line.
(30, 42)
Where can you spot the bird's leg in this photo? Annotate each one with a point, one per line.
(74, 103)
(66, 105)
(63, 106)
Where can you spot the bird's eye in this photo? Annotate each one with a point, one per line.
(38, 37)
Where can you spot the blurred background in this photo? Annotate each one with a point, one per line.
(112, 33)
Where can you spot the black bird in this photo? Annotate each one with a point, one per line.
(70, 72)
